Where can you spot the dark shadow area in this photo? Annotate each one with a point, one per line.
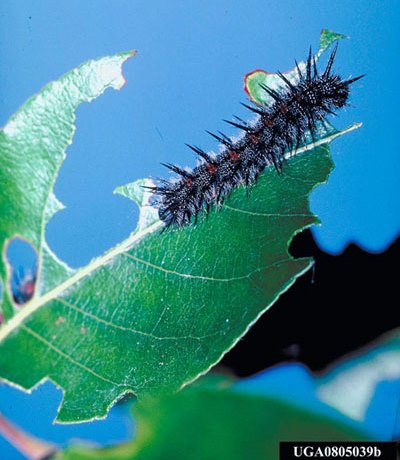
(343, 303)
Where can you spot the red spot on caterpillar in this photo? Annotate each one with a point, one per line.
(298, 96)
(268, 122)
(211, 168)
(233, 155)
(284, 108)
(188, 182)
(254, 139)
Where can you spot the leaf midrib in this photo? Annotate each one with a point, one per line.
(38, 302)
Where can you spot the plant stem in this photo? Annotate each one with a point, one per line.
(31, 447)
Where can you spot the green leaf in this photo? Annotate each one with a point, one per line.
(326, 39)
(159, 309)
(254, 80)
(215, 423)
(32, 148)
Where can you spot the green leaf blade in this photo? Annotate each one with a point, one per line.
(174, 302)
(158, 310)
(32, 148)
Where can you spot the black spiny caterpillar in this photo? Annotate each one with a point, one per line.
(279, 127)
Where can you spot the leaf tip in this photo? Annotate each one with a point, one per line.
(327, 37)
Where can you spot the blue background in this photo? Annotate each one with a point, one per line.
(187, 76)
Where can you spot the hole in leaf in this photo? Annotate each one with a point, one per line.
(22, 259)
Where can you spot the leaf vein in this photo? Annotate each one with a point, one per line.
(124, 328)
(261, 214)
(205, 278)
(66, 356)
